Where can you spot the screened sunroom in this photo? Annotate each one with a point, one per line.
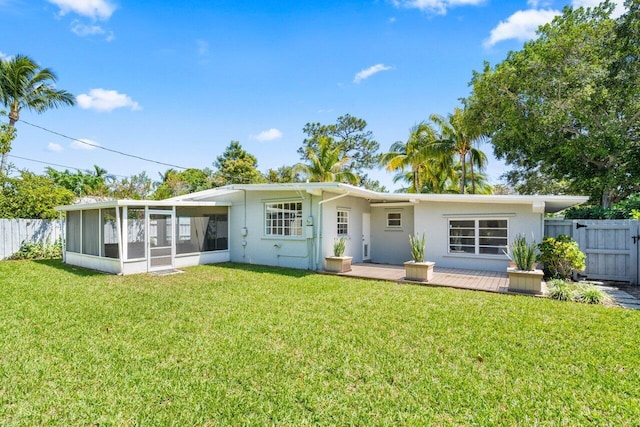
(137, 236)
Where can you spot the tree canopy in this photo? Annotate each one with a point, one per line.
(25, 85)
(567, 105)
(350, 137)
(236, 166)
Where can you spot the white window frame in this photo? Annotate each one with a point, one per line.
(291, 220)
(395, 219)
(476, 236)
(342, 219)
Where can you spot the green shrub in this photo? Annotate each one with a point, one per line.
(523, 254)
(417, 247)
(30, 250)
(622, 210)
(561, 256)
(339, 246)
(589, 294)
(577, 292)
(561, 290)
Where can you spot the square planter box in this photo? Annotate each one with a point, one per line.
(525, 281)
(419, 271)
(338, 264)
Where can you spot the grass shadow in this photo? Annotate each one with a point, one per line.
(71, 269)
(257, 268)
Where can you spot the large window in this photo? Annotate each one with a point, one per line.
(91, 232)
(109, 234)
(342, 221)
(201, 230)
(478, 236)
(135, 233)
(283, 219)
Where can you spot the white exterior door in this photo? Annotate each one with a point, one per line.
(366, 237)
(161, 247)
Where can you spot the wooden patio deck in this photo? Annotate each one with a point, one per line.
(480, 280)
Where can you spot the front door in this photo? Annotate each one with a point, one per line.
(161, 247)
(366, 237)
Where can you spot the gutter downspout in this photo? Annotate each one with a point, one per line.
(318, 233)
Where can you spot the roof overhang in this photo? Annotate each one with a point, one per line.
(538, 203)
(168, 203)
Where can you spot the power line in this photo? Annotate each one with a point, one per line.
(58, 165)
(103, 148)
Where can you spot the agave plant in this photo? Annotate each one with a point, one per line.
(417, 247)
(339, 246)
(523, 254)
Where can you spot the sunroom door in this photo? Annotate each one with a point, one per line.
(160, 242)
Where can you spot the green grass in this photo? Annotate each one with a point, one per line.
(246, 345)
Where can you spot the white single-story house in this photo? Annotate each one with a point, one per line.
(295, 225)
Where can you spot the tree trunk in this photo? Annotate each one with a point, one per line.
(416, 180)
(463, 176)
(473, 181)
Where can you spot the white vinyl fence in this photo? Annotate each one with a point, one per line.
(611, 246)
(15, 231)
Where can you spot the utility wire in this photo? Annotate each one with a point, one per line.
(101, 147)
(60, 166)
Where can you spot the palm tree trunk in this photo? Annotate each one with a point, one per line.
(463, 177)
(416, 179)
(473, 181)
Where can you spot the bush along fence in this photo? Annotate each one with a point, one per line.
(25, 234)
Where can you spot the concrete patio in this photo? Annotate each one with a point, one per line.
(479, 280)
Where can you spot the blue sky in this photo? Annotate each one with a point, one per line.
(177, 81)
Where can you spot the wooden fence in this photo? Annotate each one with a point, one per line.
(611, 246)
(13, 232)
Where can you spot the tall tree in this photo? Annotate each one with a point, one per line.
(24, 85)
(176, 183)
(282, 175)
(237, 166)
(350, 136)
(456, 138)
(136, 187)
(567, 105)
(326, 163)
(414, 155)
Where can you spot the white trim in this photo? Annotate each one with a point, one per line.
(265, 228)
(394, 227)
(347, 222)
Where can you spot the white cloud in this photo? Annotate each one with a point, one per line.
(202, 47)
(106, 100)
(83, 30)
(94, 9)
(522, 25)
(365, 74)
(268, 135)
(90, 145)
(4, 56)
(439, 7)
(54, 147)
(619, 9)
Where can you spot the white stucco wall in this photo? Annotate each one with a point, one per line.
(355, 207)
(432, 219)
(295, 252)
(391, 245)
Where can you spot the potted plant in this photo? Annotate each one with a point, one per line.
(418, 269)
(338, 263)
(524, 277)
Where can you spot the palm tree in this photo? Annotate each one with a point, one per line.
(457, 139)
(413, 155)
(327, 163)
(23, 84)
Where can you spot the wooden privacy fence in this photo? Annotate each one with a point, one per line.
(15, 231)
(611, 246)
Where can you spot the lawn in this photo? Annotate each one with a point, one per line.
(236, 344)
